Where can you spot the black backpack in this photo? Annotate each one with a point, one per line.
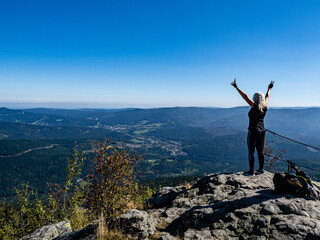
(299, 185)
(286, 183)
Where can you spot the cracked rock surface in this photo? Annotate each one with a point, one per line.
(234, 206)
(218, 206)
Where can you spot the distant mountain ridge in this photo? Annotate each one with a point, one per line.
(295, 122)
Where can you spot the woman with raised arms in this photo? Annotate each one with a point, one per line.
(256, 130)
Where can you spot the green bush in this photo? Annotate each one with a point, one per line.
(111, 187)
(28, 212)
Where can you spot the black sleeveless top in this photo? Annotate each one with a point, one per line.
(256, 119)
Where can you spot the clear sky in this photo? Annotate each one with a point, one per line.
(158, 53)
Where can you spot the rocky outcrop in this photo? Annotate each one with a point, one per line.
(234, 206)
(164, 196)
(220, 206)
(87, 233)
(49, 232)
(136, 223)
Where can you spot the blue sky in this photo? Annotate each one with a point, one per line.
(158, 53)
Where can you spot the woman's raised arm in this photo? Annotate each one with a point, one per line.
(243, 94)
(268, 92)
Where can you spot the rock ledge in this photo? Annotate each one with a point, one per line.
(219, 206)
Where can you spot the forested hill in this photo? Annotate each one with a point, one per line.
(299, 123)
(174, 141)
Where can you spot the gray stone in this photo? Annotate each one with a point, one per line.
(287, 207)
(224, 234)
(269, 209)
(87, 233)
(182, 203)
(172, 213)
(136, 222)
(263, 221)
(49, 232)
(165, 236)
(164, 197)
(197, 235)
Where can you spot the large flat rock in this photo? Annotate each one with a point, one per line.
(234, 206)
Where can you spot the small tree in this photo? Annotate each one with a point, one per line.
(67, 202)
(113, 179)
(74, 168)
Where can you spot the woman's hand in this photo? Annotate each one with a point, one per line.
(271, 85)
(234, 84)
(268, 92)
(242, 93)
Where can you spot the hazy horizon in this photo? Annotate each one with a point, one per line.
(75, 106)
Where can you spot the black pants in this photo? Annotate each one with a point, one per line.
(256, 139)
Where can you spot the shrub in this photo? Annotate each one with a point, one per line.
(28, 212)
(113, 179)
(24, 215)
(8, 222)
(112, 187)
(68, 201)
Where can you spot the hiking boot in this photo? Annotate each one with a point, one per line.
(260, 171)
(248, 173)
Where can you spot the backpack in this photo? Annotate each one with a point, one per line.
(286, 183)
(299, 185)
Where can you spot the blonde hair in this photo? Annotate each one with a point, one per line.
(259, 99)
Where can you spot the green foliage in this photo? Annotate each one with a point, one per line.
(38, 167)
(68, 202)
(29, 212)
(9, 220)
(145, 192)
(74, 166)
(113, 180)
(77, 211)
(112, 187)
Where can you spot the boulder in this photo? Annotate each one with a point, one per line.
(136, 223)
(197, 235)
(164, 197)
(234, 206)
(166, 236)
(49, 232)
(87, 233)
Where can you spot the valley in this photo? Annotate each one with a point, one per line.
(36, 143)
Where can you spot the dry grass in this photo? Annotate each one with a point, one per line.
(154, 236)
(112, 235)
(130, 205)
(80, 218)
(187, 185)
(104, 233)
(162, 225)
